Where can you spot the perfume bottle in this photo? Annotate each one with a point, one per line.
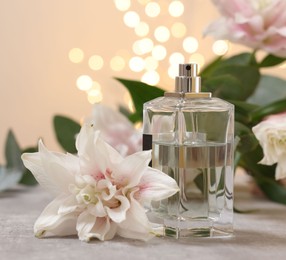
(191, 136)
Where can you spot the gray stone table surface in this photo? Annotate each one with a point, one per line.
(258, 235)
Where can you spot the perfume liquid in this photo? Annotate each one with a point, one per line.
(203, 206)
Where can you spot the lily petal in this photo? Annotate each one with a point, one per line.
(95, 155)
(107, 189)
(118, 214)
(102, 229)
(52, 222)
(85, 140)
(69, 205)
(156, 185)
(131, 169)
(52, 170)
(136, 225)
(106, 156)
(97, 209)
(84, 225)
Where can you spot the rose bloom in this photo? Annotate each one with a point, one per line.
(271, 134)
(259, 24)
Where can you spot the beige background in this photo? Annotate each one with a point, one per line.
(37, 80)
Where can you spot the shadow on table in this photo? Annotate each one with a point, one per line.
(241, 238)
(11, 193)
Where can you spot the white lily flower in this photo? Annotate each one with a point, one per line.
(99, 193)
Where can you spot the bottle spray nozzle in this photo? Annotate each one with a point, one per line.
(188, 79)
(188, 70)
(188, 83)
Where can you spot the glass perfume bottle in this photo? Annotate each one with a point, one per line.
(191, 135)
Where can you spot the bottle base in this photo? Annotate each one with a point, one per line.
(191, 228)
(195, 232)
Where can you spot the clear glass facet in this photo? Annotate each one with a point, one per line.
(192, 141)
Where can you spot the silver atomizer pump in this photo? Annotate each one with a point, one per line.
(188, 83)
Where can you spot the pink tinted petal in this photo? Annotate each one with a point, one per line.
(132, 168)
(229, 8)
(254, 23)
(51, 222)
(95, 155)
(156, 185)
(115, 129)
(104, 118)
(106, 156)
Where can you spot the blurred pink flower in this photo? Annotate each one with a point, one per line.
(259, 24)
(271, 134)
(116, 129)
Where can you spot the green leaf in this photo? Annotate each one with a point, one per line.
(237, 157)
(248, 76)
(269, 90)
(223, 86)
(242, 111)
(241, 59)
(247, 142)
(124, 111)
(66, 130)
(244, 107)
(239, 71)
(274, 108)
(272, 189)
(9, 177)
(140, 93)
(13, 153)
(264, 175)
(271, 60)
(28, 178)
(199, 181)
(209, 67)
